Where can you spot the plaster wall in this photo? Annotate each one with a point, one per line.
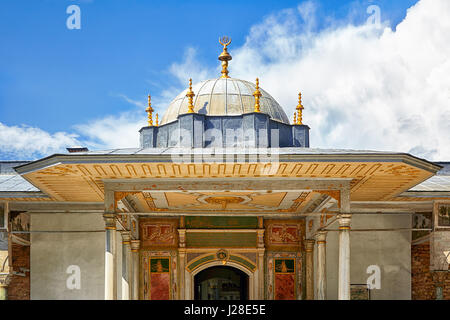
(53, 253)
(389, 250)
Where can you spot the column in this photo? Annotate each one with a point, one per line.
(310, 269)
(135, 245)
(344, 257)
(259, 294)
(110, 257)
(4, 282)
(126, 265)
(182, 258)
(321, 265)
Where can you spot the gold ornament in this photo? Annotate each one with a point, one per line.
(257, 94)
(225, 56)
(149, 110)
(299, 109)
(190, 94)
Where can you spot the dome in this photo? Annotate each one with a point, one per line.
(224, 96)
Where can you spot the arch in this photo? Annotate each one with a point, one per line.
(227, 281)
(235, 258)
(189, 278)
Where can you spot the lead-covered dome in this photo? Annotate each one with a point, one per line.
(224, 96)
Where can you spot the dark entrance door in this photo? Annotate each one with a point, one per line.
(221, 283)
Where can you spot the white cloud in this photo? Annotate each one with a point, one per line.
(364, 87)
(190, 67)
(113, 131)
(24, 142)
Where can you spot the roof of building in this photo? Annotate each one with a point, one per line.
(224, 96)
(439, 182)
(11, 181)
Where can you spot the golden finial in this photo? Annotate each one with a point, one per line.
(157, 122)
(149, 110)
(299, 109)
(190, 94)
(225, 56)
(295, 117)
(257, 94)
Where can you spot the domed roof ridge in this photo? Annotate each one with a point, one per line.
(224, 96)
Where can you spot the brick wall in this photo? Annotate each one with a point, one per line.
(424, 281)
(19, 288)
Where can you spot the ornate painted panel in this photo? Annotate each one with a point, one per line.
(221, 239)
(284, 235)
(159, 275)
(221, 222)
(284, 282)
(442, 214)
(159, 233)
(284, 276)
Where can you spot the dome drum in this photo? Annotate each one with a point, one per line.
(194, 130)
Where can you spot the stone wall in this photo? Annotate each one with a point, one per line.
(388, 250)
(57, 256)
(423, 280)
(19, 287)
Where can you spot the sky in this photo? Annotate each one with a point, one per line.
(373, 74)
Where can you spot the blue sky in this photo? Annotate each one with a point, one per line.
(55, 79)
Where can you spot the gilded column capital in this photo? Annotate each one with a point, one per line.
(344, 220)
(309, 245)
(181, 238)
(260, 235)
(126, 237)
(321, 237)
(135, 245)
(110, 221)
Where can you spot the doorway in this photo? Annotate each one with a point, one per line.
(221, 283)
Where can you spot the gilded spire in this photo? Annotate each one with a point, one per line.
(257, 94)
(225, 56)
(149, 110)
(157, 122)
(299, 109)
(190, 94)
(295, 117)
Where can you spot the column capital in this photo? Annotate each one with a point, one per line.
(135, 245)
(5, 279)
(110, 221)
(126, 236)
(321, 237)
(310, 245)
(344, 220)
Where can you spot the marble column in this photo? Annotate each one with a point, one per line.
(126, 265)
(344, 257)
(4, 282)
(135, 245)
(182, 258)
(310, 269)
(259, 294)
(321, 265)
(110, 257)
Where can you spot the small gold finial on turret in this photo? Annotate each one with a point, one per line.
(157, 122)
(149, 110)
(299, 109)
(225, 56)
(190, 94)
(295, 117)
(257, 94)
